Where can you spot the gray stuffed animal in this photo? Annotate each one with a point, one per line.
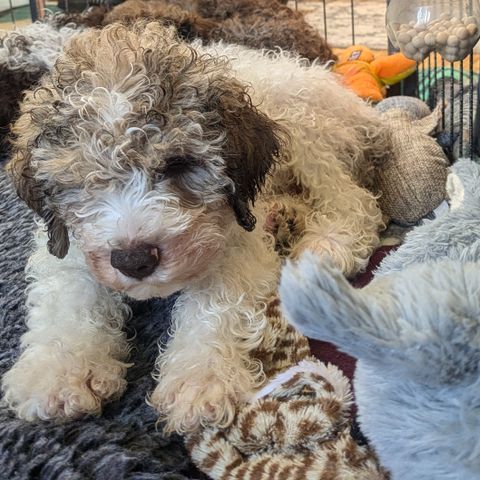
(411, 182)
(416, 332)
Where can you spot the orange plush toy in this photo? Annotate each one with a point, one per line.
(368, 75)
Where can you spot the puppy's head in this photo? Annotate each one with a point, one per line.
(145, 152)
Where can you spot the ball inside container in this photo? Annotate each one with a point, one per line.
(420, 27)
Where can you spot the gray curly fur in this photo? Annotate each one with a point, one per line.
(124, 443)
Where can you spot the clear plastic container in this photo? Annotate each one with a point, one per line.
(449, 27)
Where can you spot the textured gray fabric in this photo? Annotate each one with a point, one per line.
(121, 444)
(413, 106)
(412, 180)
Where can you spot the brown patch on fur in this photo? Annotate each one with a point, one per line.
(330, 470)
(261, 355)
(308, 428)
(273, 308)
(241, 472)
(292, 382)
(297, 405)
(268, 406)
(285, 473)
(232, 466)
(331, 407)
(273, 470)
(306, 464)
(36, 195)
(280, 427)
(279, 357)
(247, 424)
(253, 144)
(287, 343)
(327, 386)
(211, 459)
(258, 470)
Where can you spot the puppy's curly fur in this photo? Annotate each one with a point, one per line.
(26, 54)
(137, 141)
(254, 23)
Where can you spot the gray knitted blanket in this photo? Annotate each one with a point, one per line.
(124, 442)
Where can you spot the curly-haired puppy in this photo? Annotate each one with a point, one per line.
(26, 54)
(255, 23)
(143, 156)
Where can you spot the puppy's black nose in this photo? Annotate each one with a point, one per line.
(137, 262)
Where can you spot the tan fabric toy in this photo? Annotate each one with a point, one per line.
(296, 427)
(411, 182)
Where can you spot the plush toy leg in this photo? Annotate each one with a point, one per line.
(320, 303)
(408, 319)
(74, 351)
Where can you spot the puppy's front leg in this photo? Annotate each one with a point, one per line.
(345, 224)
(206, 368)
(74, 350)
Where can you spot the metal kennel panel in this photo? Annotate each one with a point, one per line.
(17, 11)
(325, 19)
(454, 86)
(38, 8)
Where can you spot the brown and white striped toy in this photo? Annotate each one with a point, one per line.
(297, 427)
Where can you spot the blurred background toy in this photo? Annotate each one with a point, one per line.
(368, 74)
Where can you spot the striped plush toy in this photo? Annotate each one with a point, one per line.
(296, 427)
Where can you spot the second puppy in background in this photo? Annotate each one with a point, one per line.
(262, 24)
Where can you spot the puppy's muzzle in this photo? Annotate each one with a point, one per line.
(137, 262)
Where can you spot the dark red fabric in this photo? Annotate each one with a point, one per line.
(328, 353)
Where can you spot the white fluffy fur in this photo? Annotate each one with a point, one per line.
(74, 351)
(331, 131)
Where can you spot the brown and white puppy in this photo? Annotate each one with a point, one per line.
(143, 156)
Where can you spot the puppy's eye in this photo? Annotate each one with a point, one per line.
(179, 165)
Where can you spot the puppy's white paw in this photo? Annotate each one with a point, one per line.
(47, 384)
(188, 404)
(335, 250)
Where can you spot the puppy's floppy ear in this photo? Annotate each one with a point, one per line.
(35, 195)
(253, 143)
